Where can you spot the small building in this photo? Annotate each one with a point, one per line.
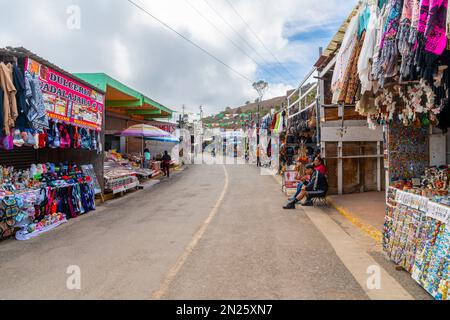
(126, 107)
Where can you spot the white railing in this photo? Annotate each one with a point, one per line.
(302, 100)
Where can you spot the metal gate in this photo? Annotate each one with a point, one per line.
(19, 158)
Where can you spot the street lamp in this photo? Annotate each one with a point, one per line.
(260, 87)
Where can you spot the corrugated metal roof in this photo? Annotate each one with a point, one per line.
(336, 42)
(21, 52)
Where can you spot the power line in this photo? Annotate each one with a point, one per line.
(242, 38)
(258, 38)
(190, 41)
(227, 37)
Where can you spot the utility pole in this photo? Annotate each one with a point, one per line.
(201, 128)
(260, 87)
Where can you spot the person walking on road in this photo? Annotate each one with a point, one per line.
(147, 159)
(166, 160)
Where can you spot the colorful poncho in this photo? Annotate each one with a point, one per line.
(435, 32)
(432, 36)
(407, 36)
(389, 51)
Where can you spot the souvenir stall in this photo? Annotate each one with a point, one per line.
(157, 146)
(265, 139)
(272, 125)
(301, 139)
(394, 65)
(126, 172)
(50, 145)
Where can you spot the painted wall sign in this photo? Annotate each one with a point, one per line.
(68, 100)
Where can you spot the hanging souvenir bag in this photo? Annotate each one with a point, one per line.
(76, 199)
(50, 202)
(76, 139)
(85, 139)
(93, 140)
(43, 139)
(50, 136)
(64, 136)
(9, 207)
(72, 207)
(17, 138)
(6, 143)
(41, 204)
(56, 137)
(30, 141)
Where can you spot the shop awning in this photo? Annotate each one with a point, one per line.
(124, 100)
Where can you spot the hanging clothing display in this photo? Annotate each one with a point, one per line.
(388, 56)
(367, 51)
(37, 114)
(9, 97)
(407, 37)
(435, 37)
(22, 109)
(376, 65)
(343, 58)
(351, 81)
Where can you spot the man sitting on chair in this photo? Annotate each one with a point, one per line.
(316, 188)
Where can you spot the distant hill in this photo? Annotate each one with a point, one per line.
(234, 118)
(266, 106)
(246, 115)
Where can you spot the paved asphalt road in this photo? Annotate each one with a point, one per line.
(210, 232)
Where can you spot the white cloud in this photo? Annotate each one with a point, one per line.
(118, 39)
(121, 60)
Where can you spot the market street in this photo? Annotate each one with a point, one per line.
(211, 232)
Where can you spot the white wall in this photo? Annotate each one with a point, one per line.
(351, 134)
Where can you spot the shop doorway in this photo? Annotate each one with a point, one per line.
(356, 166)
(112, 143)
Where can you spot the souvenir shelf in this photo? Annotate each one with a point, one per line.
(417, 237)
(42, 198)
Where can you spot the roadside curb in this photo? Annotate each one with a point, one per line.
(368, 229)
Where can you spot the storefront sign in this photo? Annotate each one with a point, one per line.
(68, 100)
